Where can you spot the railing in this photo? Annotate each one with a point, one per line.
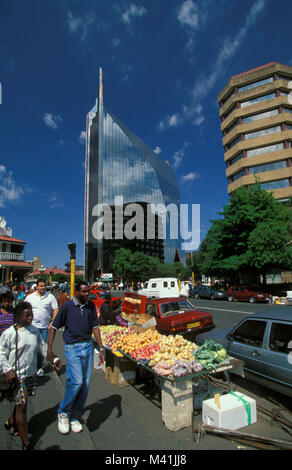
(6, 256)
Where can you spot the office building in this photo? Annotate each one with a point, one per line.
(121, 167)
(256, 122)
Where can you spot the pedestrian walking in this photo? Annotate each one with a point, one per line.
(62, 298)
(45, 308)
(107, 315)
(19, 348)
(78, 317)
(6, 312)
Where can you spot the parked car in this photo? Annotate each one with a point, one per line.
(98, 297)
(177, 315)
(160, 287)
(264, 343)
(206, 292)
(248, 294)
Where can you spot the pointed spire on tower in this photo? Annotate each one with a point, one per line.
(100, 86)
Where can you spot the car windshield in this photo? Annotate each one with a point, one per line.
(171, 308)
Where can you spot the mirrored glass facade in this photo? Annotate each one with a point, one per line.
(120, 165)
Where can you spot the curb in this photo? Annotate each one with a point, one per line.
(89, 443)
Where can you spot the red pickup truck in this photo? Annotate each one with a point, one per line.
(173, 315)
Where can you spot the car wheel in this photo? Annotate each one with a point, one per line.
(196, 296)
(230, 298)
(252, 300)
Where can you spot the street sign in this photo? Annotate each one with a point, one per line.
(107, 277)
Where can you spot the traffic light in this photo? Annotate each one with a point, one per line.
(72, 249)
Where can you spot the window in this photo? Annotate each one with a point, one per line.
(151, 309)
(165, 284)
(172, 284)
(283, 77)
(263, 132)
(153, 284)
(257, 100)
(229, 129)
(267, 149)
(234, 142)
(276, 184)
(238, 175)
(255, 117)
(255, 84)
(287, 110)
(250, 332)
(281, 338)
(268, 167)
(236, 159)
(146, 285)
(230, 111)
(174, 307)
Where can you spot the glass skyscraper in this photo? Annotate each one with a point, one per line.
(119, 165)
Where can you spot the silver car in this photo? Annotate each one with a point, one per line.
(264, 342)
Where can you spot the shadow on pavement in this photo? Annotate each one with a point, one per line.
(38, 423)
(101, 410)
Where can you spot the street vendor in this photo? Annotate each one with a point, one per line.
(107, 314)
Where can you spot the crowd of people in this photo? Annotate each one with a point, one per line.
(27, 331)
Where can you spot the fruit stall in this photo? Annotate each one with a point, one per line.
(178, 365)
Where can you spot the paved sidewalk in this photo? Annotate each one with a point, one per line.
(42, 416)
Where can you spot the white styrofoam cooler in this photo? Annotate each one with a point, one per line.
(232, 413)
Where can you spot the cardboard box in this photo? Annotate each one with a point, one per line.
(233, 412)
(119, 371)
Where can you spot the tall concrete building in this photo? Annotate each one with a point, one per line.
(121, 167)
(256, 122)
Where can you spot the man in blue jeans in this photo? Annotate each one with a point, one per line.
(79, 318)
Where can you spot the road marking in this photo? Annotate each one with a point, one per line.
(226, 310)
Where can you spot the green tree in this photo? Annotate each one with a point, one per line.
(251, 237)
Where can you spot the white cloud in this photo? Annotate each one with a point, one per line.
(52, 121)
(80, 25)
(10, 192)
(82, 137)
(189, 14)
(157, 150)
(207, 80)
(178, 156)
(189, 177)
(54, 201)
(132, 12)
(228, 49)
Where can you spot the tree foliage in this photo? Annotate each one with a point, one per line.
(251, 236)
(140, 267)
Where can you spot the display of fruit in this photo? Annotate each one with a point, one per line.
(107, 330)
(117, 338)
(173, 348)
(131, 343)
(145, 352)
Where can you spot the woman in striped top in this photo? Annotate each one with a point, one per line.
(6, 311)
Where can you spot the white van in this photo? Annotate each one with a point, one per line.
(160, 287)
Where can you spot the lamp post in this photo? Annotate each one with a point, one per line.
(72, 249)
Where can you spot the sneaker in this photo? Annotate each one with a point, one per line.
(40, 373)
(63, 423)
(76, 426)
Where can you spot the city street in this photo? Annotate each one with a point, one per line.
(110, 410)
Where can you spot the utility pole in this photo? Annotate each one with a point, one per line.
(72, 249)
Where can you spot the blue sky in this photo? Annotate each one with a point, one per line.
(164, 63)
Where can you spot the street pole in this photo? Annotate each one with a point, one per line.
(193, 276)
(72, 248)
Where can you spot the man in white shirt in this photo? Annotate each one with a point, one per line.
(45, 308)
